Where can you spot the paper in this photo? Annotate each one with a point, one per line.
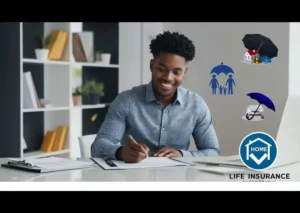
(223, 170)
(49, 164)
(150, 162)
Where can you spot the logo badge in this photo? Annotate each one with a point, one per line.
(258, 151)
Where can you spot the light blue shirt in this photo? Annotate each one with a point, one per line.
(138, 113)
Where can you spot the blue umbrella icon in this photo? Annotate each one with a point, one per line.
(222, 69)
(261, 99)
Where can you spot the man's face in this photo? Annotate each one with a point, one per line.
(168, 71)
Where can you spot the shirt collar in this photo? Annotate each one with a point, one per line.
(151, 97)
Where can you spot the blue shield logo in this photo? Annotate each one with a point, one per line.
(258, 151)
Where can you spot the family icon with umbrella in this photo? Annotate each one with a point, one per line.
(216, 87)
(254, 112)
(261, 49)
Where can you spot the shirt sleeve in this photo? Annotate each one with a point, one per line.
(112, 130)
(204, 134)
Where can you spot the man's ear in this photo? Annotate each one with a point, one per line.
(151, 64)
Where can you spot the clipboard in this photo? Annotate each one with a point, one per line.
(22, 167)
(48, 164)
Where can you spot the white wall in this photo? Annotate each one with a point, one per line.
(294, 56)
(149, 32)
(222, 42)
(134, 55)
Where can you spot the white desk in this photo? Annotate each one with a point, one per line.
(97, 174)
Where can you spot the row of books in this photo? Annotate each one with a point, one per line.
(83, 45)
(55, 140)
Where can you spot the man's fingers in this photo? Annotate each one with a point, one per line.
(145, 147)
(134, 146)
(170, 154)
(134, 157)
(159, 151)
(138, 148)
(163, 152)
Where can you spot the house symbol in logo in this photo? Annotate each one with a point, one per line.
(258, 151)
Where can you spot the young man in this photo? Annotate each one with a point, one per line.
(161, 116)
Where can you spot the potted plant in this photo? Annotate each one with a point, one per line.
(77, 96)
(94, 91)
(41, 51)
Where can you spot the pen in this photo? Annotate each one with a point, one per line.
(134, 141)
(110, 163)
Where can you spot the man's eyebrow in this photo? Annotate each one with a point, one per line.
(161, 64)
(177, 68)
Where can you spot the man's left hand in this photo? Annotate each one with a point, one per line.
(167, 152)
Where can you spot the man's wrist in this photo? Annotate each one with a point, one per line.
(118, 154)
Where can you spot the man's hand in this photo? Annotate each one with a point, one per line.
(167, 152)
(133, 153)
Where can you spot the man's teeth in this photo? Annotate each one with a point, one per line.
(166, 85)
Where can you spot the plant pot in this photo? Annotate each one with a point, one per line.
(94, 99)
(105, 57)
(77, 100)
(42, 54)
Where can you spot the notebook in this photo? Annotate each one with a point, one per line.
(150, 162)
(48, 164)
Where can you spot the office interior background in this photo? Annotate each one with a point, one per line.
(126, 46)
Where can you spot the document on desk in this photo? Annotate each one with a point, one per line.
(223, 170)
(150, 162)
(47, 164)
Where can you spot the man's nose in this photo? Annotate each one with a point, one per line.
(168, 77)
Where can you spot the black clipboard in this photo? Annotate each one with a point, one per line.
(22, 167)
(66, 164)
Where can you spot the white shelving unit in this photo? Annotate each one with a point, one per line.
(58, 81)
(58, 88)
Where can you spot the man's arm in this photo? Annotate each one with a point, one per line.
(112, 129)
(204, 135)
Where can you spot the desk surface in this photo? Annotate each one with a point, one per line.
(96, 173)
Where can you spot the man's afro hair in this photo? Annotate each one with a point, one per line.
(174, 43)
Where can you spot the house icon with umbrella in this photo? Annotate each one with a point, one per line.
(250, 55)
(261, 49)
(255, 146)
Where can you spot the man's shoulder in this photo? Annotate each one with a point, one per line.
(134, 92)
(190, 96)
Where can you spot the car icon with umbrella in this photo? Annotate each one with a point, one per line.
(261, 49)
(254, 113)
(262, 100)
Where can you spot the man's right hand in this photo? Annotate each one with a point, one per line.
(133, 153)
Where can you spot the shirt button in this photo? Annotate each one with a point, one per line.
(163, 128)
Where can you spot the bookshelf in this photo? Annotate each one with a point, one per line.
(128, 44)
(54, 81)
